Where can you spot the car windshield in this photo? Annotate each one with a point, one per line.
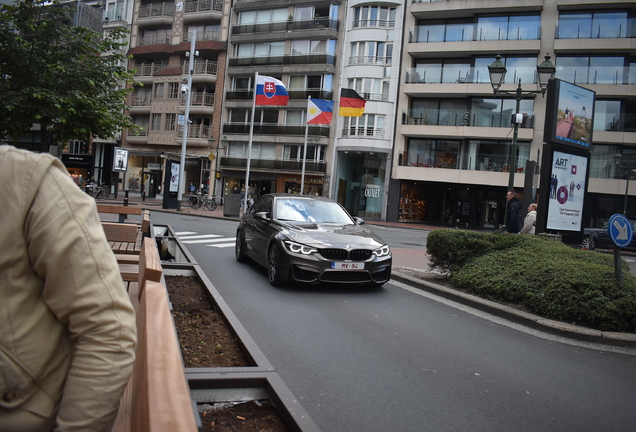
(315, 211)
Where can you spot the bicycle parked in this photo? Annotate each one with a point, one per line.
(202, 200)
(97, 190)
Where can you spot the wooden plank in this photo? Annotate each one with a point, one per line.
(145, 222)
(149, 264)
(127, 258)
(119, 232)
(129, 272)
(119, 209)
(161, 397)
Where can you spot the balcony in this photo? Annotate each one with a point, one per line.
(597, 75)
(469, 32)
(284, 26)
(208, 35)
(362, 132)
(140, 100)
(295, 94)
(276, 129)
(203, 6)
(115, 14)
(603, 29)
(285, 59)
(229, 162)
(433, 117)
(370, 60)
(456, 74)
(149, 69)
(153, 40)
(156, 14)
(202, 132)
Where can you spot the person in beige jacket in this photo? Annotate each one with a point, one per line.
(68, 335)
(530, 221)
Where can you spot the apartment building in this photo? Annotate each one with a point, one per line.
(160, 44)
(452, 150)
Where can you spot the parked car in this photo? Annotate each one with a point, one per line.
(602, 240)
(311, 239)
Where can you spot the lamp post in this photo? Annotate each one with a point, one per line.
(497, 71)
(618, 161)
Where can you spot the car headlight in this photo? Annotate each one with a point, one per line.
(383, 251)
(299, 248)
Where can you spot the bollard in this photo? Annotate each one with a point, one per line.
(126, 198)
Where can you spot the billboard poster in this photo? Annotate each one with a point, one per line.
(566, 192)
(569, 115)
(174, 177)
(120, 161)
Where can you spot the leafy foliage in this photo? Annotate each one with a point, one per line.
(548, 277)
(70, 80)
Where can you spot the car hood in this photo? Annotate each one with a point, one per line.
(331, 235)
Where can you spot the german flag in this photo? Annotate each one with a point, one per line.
(351, 103)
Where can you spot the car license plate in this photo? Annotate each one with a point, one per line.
(347, 266)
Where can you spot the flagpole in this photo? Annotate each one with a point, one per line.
(249, 147)
(302, 177)
(332, 182)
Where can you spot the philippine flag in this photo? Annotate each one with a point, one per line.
(270, 91)
(319, 111)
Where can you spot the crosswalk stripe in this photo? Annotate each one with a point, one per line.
(222, 245)
(193, 237)
(208, 240)
(178, 234)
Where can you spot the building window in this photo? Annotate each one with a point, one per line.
(484, 155)
(261, 116)
(158, 91)
(371, 52)
(156, 122)
(151, 37)
(617, 116)
(313, 46)
(591, 70)
(374, 16)
(498, 112)
(259, 150)
(295, 152)
(173, 90)
(368, 125)
(295, 117)
(171, 122)
(370, 88)
(316, 86)
(260, 49)
(479, 28)
(594, 25)
(432, 153)
(262, 16)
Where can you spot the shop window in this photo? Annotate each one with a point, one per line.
(432, 153)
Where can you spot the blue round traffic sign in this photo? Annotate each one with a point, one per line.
(620, 230)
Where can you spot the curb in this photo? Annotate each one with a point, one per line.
(622, 340)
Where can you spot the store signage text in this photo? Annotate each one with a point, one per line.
(372, 191)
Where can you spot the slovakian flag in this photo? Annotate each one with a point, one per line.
(351, 103)
(319, 111)
(270, 91)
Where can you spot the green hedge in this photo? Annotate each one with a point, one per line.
(551, 279)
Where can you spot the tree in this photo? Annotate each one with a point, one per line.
(69, 80)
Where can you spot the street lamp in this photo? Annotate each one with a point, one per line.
(618, 160)
(497, 71)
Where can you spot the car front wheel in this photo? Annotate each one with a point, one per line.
(239, 248)
(587, 245)
(273, 265)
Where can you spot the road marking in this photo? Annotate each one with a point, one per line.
(223, 245)
(211, 240)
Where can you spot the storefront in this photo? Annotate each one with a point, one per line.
(453, 205)
(143, 174)
(360, 183)
(79, 166)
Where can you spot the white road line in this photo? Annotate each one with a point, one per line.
(222, 245)
(201, 236)
(224, 239)
(185, 233)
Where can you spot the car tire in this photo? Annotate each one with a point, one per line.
(273, 265)
(586, 245)
(239, 248)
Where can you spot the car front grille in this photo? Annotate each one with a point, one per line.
(344, 254)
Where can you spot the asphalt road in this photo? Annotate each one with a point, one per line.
(398, 359)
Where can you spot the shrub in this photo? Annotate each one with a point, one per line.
(554, 281)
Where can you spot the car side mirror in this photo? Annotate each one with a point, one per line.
(262, 215)
(359, 221)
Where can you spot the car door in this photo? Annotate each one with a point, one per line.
(260, 229)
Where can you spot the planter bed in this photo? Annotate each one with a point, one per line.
(231, 381)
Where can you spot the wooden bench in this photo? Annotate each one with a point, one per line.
(121, 210)
(157, 397)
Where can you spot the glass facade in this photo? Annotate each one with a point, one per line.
(360, 183)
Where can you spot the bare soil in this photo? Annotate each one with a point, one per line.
(206, 341)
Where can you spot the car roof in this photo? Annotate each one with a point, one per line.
(298, 196)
